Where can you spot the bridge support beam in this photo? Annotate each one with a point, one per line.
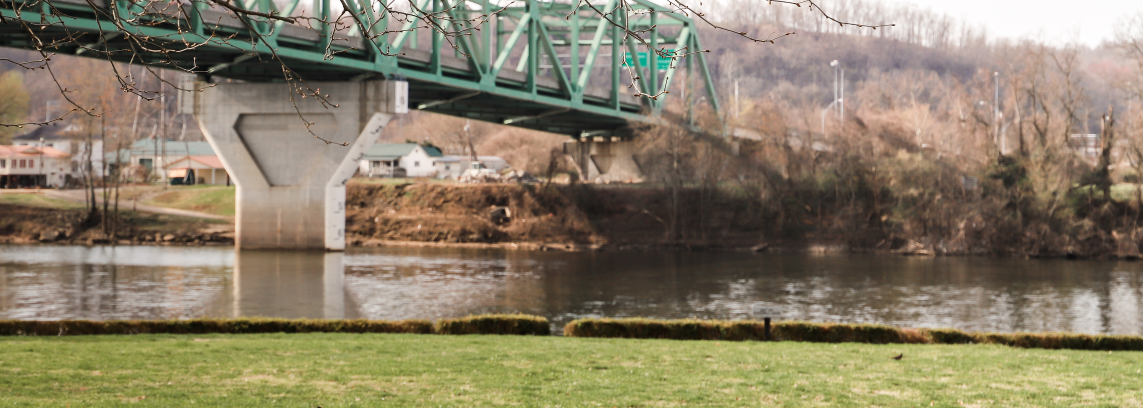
(605, 161)
(291, 183)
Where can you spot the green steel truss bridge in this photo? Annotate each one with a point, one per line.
(541, 65)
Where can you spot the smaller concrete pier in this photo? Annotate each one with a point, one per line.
(604, 160)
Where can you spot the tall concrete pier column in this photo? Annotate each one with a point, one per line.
(603, 160)
(291, 184)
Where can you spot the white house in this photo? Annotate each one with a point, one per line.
(67, 139)
(399, 160)
(27, 166)
(451, 167)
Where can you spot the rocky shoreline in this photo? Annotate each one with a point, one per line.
(37, 225)
(58, 238)
(226, 239)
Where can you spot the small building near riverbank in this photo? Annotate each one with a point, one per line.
(27, 167)
(192, 170)
(399, 160)
(152, 157)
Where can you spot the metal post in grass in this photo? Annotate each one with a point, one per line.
(766, 311)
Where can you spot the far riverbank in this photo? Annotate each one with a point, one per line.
(551, 217)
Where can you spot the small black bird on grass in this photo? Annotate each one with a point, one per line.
(899, 356)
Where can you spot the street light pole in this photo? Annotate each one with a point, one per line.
(835, 64)
(838, 90)
(48, 109)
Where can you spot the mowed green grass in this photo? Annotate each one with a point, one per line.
(387, 370)
(218, 200)
(38, 200)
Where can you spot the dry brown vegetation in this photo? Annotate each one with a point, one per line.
(926, 160)
(525, 149)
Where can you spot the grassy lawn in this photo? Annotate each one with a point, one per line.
(341, 370)
(166, 223)
(38, 200)
(208, 199)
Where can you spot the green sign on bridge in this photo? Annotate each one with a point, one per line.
(661, 63)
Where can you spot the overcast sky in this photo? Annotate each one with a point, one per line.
(1057, 21)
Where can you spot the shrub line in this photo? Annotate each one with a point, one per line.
(484, 324)
(742, 330)
(633, 328)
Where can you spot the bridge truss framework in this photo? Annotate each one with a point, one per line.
(547, 66)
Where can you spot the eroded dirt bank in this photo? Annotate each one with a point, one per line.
(29, 225)
(563, 217)
(634, 217)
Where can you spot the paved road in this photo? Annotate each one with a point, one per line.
(77, 196)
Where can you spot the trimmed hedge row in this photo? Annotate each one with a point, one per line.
(487, 324)
(739, 330)
(519, 324)
(639, 328)
(204, 326)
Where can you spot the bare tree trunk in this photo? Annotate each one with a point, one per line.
(1107, 139)
(89, 169)
(105, 193)
(118, 179)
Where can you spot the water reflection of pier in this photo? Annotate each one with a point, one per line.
(291, 284)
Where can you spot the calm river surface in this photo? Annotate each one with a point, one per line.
(986, 294)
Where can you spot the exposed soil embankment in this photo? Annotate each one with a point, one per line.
(635, 217)
(30, 224)
(627, 217)
(464, 214)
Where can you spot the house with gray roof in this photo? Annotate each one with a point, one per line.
(399, 160)
(155, 154)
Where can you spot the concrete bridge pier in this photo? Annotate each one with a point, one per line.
(291, 184)
(605, 160)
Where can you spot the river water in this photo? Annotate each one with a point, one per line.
(980, 294)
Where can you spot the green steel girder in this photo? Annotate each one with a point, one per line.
(526, 63)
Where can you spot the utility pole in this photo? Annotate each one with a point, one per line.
(996, 114)
(163, 128)
(1130, 105)
(42, 162)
